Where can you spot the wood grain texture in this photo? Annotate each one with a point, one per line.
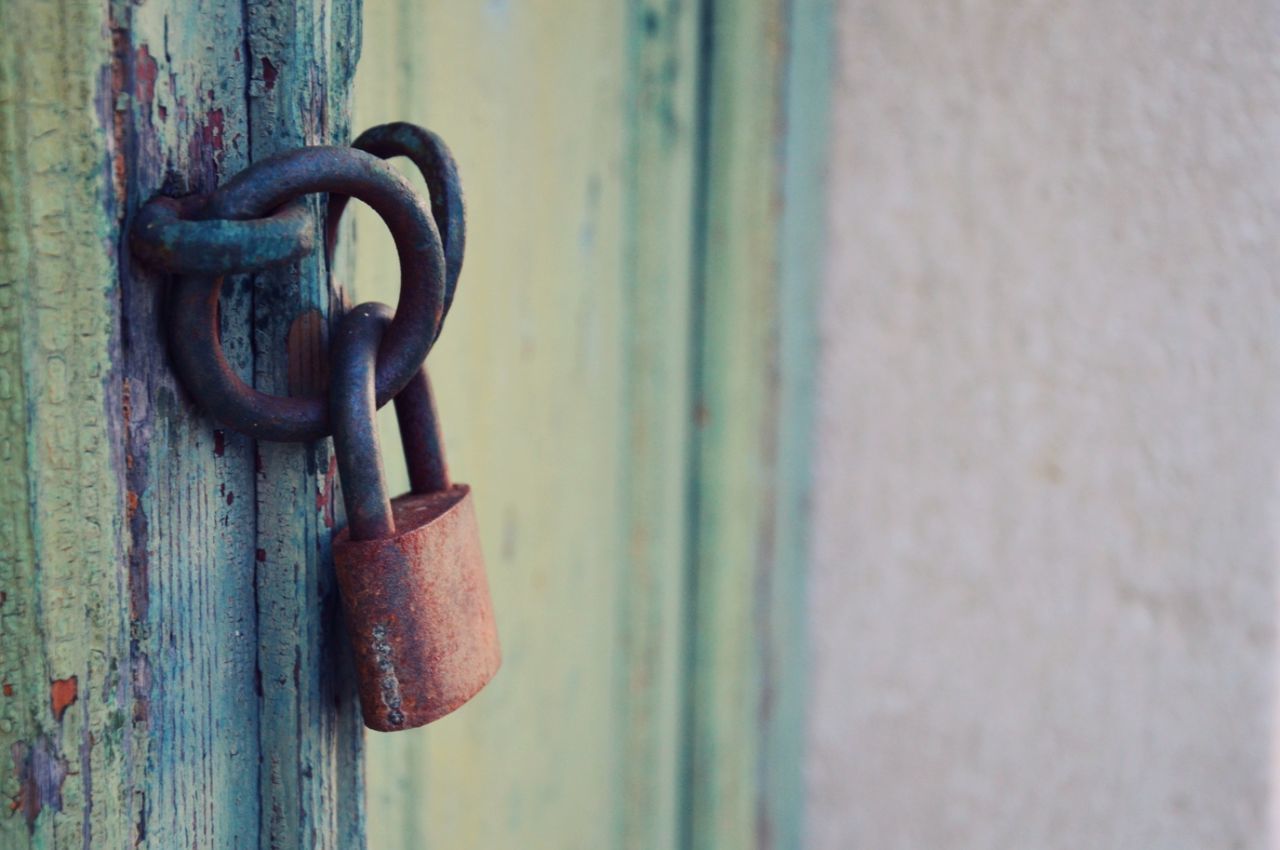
(301, 59)
(65, 761)
(735, 448)
(165, 594)
(765, 98)
(661, 233)
(182, 124)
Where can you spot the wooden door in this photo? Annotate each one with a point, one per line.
(623, 379)
(165, 585)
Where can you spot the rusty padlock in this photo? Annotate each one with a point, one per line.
(410, 570)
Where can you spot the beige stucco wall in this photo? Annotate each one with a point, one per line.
(1048, 480)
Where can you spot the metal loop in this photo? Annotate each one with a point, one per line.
(255, 192)
(352, 407)
(435, 162)
(355, 433)
(165, 236)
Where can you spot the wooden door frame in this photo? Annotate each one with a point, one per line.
(766, 87)
(101, 103)
(164, 585)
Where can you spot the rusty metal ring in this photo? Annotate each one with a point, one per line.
(435, 162)
(355, 342)
(165, 236)
(257, 191)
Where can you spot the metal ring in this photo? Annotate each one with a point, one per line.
(355, 432)
(435, 162)
(255, 192)
(163, 235)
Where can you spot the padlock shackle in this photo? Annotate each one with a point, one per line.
(355, 434)
(352, 409)
(420, 433)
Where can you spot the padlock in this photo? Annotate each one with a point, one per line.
(410, 570)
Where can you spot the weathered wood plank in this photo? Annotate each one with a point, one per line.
(767, 66)
(704, 755)
(141, 610)
(182, 123)
(301, 60)
(734, 450)
(229, 544)
(64, 729)
(528, 373)
(661, 209)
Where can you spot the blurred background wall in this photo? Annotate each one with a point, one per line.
(1048, 459)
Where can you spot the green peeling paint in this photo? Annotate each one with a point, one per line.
(165, 587)
(64, 744)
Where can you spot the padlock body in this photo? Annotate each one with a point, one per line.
(418, 611)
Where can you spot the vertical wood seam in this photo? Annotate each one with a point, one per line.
(663, 125)
(745, 778)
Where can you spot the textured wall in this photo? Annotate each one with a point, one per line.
(1047, 509)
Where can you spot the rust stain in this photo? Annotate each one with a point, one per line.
(324, 495)
(418, 610)
(132, 507)
(8, 689)
(269, 73)
(261, 555)
(116, 83)
(219, 442)
(231, 498)
(213, 130)
(145, 71)
(62, 692)
(307, 368)
(207, 139)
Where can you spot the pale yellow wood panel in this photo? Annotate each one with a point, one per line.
(528, 373)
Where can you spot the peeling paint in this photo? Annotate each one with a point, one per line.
(145, 71)
(211, 132)
(269, 73)
(41, 771)
(64, 91)
(324, 495)
(62, 693)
